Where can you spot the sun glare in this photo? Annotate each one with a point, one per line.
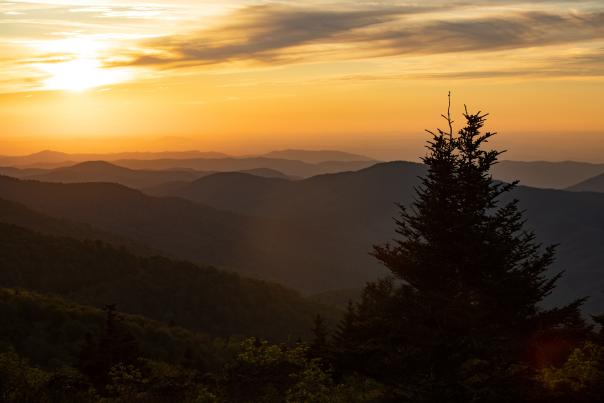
(79, 75)
(83, 70)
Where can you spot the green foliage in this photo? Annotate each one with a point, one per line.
(67, 385)
(264, 372)
(22, 383)
(257, 372)
(18, 381)
(53, 333)
(581, 377)
(126, 382)
(251, 371)
(312, 384)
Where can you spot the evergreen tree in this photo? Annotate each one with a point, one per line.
(462, 312)
(599, 319)
(115, 346)
(319, 346)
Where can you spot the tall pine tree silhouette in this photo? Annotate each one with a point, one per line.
(114, 346)
(461, 313)
(318, 345)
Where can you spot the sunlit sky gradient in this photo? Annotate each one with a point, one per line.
(250, 76)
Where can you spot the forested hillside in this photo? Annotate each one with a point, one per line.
(199, 298)
(19, 215)
(304, 254)
(51, 332)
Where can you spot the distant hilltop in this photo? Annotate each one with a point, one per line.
(286, 164)
(316, 156)
(54, 159)
(50, 158)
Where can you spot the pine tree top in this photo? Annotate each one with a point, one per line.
(464, 251)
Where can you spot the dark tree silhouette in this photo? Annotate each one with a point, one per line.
(319, 346)
(460, 316)
(114, 346)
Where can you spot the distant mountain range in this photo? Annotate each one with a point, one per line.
(361, 206)
(595, 184)
(20, 215)
(312, 234)
(102, 171)
(315, 157)
(55, 158)
(254, 246)
(292, 168)
(286, 164)
(49, 158)
(548, 175)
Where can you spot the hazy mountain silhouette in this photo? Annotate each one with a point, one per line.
(291, 163)
(267, 173)
(260, 166)
(21, 173)
(42, 157)
(101, 171)
(166, 188)
(290, 168)
(49, 157)
(595, 184)
(18, 214)
(544, 174)
(333, 196)
(360, 205)
(314, 157)
(262, 176)
(236, 181)
(233, 191)
(268, 248)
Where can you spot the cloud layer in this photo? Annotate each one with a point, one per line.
(289, 34)
(562, 38)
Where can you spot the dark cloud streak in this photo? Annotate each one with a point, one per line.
(265, 32)
(275, 34)
(520, 30)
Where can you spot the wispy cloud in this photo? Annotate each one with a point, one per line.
(267, 32)
(514, 30)
(30, 19)
(280, 33)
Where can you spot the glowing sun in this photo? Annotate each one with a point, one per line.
(84, 70)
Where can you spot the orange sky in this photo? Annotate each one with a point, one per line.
(245, 76)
